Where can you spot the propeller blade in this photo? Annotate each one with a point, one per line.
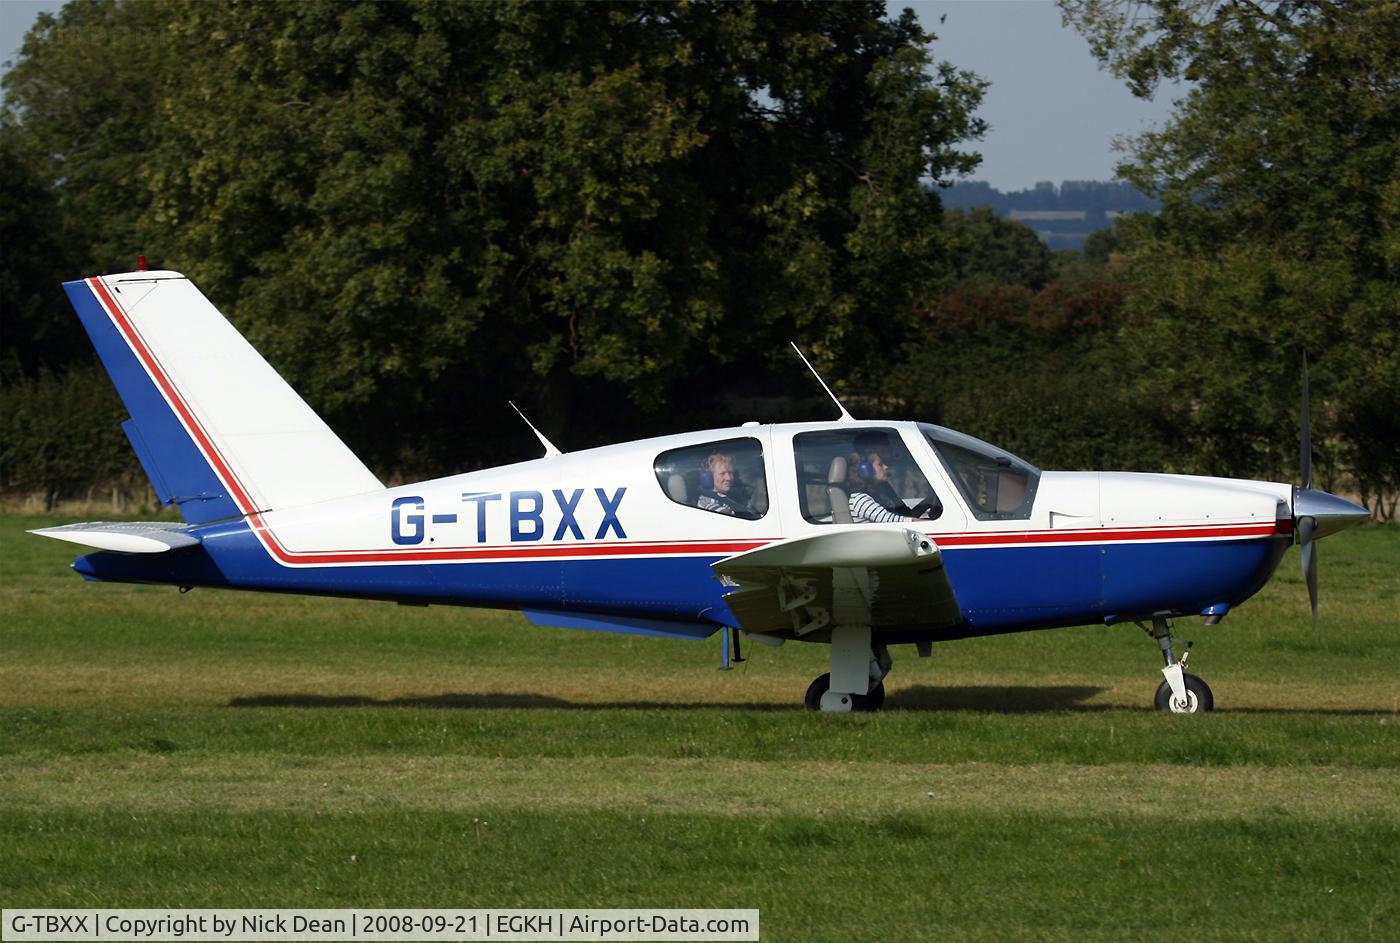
(1305, 438)
(1306, 526)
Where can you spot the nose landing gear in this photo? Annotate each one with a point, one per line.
(1180, 693)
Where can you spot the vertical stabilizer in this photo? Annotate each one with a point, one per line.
(217, 430)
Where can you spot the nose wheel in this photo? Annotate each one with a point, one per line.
(1180, 693)
(1198, 697)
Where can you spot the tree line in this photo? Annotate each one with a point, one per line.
(617, 215)
(1094, 197)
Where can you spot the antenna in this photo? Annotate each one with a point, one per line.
(549, 449)
(845, 416)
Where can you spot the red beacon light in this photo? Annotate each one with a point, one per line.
(140, 263)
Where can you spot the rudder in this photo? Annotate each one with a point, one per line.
(219, 433)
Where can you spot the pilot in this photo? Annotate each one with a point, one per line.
(724, 495)
(873, 498)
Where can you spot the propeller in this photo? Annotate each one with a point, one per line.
(1309, 552)
(1316, 513)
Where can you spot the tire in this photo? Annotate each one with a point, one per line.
(860, 703)
(1198, 696)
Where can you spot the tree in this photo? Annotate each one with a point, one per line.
(1289, 131)
(61, 434)
(1001, 250)
(80, 115)
(1280, 226)
(38, 323)
(419, 208)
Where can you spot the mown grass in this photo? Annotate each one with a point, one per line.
(221, 749)
(979, 875)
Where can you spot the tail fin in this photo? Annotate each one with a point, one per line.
(217, 431)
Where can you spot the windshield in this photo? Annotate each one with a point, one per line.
(998, 486)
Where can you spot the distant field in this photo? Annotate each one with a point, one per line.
(221, 749)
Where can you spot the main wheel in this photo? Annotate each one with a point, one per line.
(872, 701)
(1198, 697)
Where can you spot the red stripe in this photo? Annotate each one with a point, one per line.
(630, 546)
(518, 553)
(274, 546)
(173, 397)
(674, 548)
(269, 539)
(1139, 528)
(1184, 532)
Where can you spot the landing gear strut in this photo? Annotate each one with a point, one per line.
(1180, 693)
(856, 681)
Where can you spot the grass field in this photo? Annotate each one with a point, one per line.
(220, 749)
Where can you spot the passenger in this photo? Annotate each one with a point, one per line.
(873, 499)
(725, 495)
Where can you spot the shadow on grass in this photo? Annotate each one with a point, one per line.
(507, 700)
(997, 699)
(1030, 700)
(988, 699)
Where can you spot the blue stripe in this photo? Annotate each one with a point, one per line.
(172, 459)
(677, 589)
(1192, 576)
(148, 461)
(998, 589)
(1008, 587)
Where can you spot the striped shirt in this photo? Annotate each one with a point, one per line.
(865, 509)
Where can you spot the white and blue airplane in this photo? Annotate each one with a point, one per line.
(764, 529)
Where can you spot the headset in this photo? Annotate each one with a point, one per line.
(707, 476)
(868, 442)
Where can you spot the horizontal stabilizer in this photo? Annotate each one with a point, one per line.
(124, 536)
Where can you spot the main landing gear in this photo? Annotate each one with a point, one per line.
(856, 681)
(872, 700)
(1180, 693)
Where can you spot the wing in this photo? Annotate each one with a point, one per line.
(863, 576)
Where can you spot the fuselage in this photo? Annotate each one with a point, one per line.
(619, 532)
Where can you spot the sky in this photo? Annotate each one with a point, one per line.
(1053, 112)
(16, 16)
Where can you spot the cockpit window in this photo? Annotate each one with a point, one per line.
(860, 475)
(998, 486)
(723, 477)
